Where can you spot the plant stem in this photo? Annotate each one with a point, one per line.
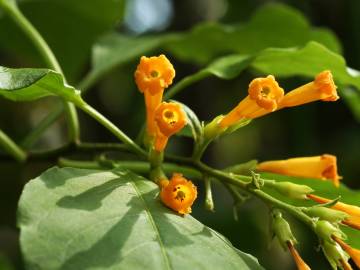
(293, 210)
(112, 128)
(10, 147)
(141, 167)
(188, 80)
(16, 15)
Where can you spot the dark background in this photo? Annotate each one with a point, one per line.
(303, 131)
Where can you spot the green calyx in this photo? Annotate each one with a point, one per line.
(325, 230)
(291, 190)
(281, 229)
(213, 130)
(324, 213)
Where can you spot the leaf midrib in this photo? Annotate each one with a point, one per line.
(153, 224)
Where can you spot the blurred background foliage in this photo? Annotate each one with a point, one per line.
(72, 27)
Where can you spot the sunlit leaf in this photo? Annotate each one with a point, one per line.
(26, 84)
(79, 219)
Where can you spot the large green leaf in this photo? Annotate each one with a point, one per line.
(307, 61)
(26, 84)
(325, 189)
(273, 25)
(80, 219)
(70, 27)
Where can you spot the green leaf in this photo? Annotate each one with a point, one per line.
(113, 50)
(26, 84)
(324, 189)
(79, 219)
(70, 28)
(228, 67)
(306, 61)
(272, 25)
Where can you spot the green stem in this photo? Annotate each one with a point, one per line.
(112, 128)
(88, 81)
(10, 147)
(293, 210)
(141, 167)
(102, 146)
(16, 15)
(188, 80)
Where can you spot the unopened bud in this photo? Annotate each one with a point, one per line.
(331, 215)
(282, 230)
(291, 190)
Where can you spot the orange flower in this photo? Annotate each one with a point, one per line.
(178, 194)
(263, 98)
(353, 211)
(321, 167)
(301, 265)
(170, 119)
(322, 88)
(152, 76)
(354, 253)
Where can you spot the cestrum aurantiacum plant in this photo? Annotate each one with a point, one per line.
(164, 119)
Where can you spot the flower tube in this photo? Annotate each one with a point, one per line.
(322, 167)
(322, 88)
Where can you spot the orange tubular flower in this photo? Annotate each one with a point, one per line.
(321, 167)
(170, 119)
(264, 96)
(152, 76)
(322, 88)
(301, 265)
(352, 210)
(178, 194)
(354, 253)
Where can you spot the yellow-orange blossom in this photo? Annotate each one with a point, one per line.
(322, 167)
(152, 76)
(265, 96)
(170, 119)
(178, 193)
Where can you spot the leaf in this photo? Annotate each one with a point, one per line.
(324, 189)
(306, 61)
(272, 25)
(70, 28)
(228, 67)
(113, 50)
(26, 84)
(80, 219)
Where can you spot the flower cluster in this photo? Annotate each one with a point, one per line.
(164, 119)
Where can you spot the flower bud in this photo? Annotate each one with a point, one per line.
(331, 215)
(291, 190)
(281, 229)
